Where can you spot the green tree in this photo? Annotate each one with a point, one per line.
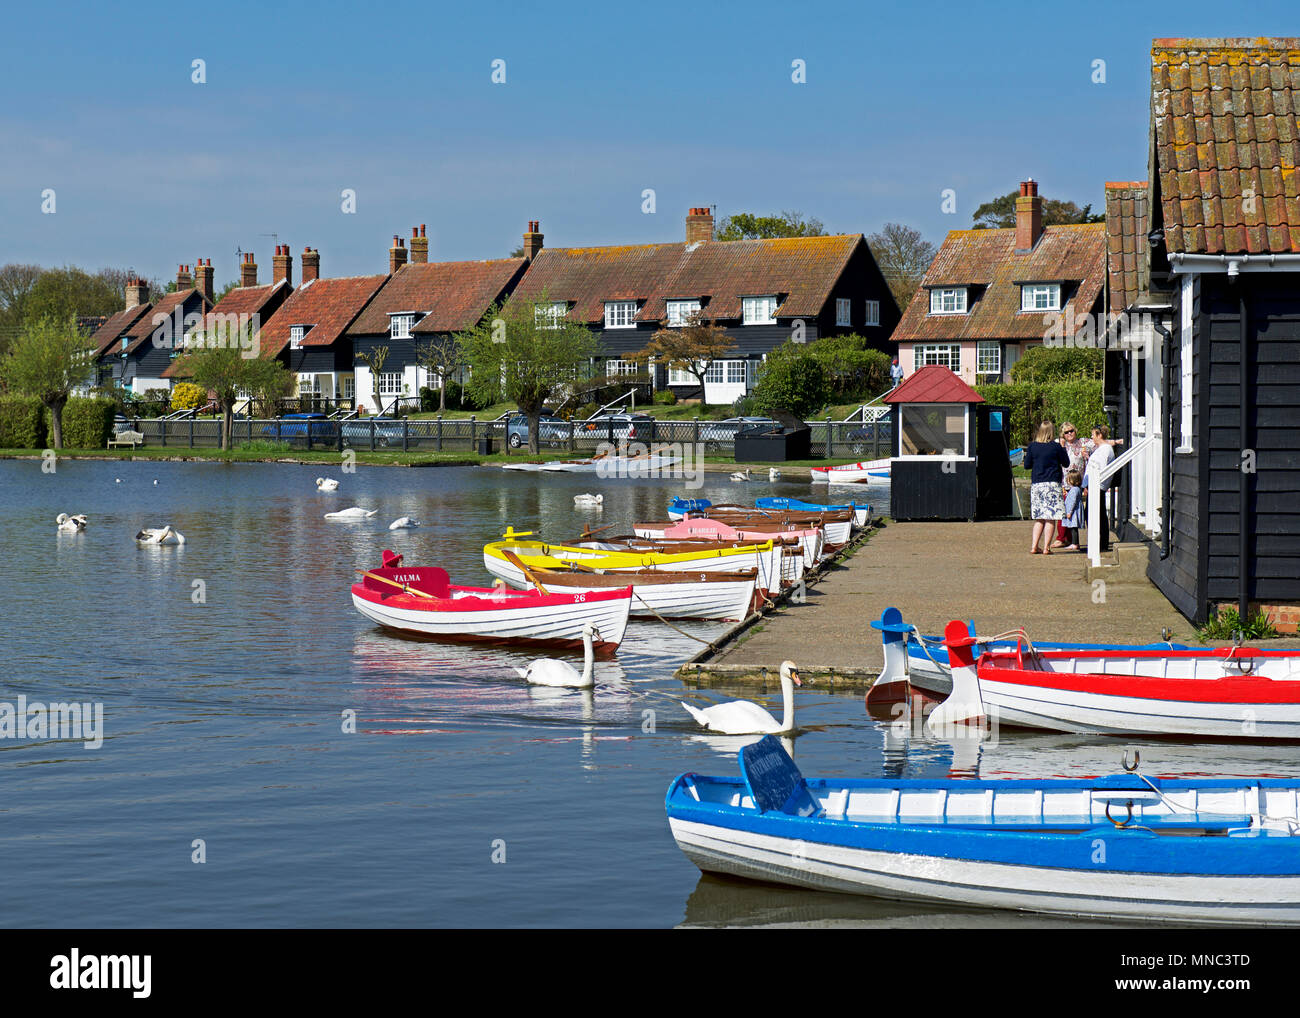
(48, 359)
(793, 380)
(854, 369)
(526, 354)
(1000, 213)
(219, 365)
(1049, 364)
(903, 256)
(692, 347)
(747, 226)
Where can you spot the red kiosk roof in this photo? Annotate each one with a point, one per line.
(934, 384)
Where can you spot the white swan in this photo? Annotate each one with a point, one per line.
(549, 672)
(71, 524)
(741, 475)
(773, 474)
(740, 717)
(403, 523)
(354, 513)
(160, 535)
(588, 499)
(327, 484)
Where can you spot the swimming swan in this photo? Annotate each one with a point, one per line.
(588, 499)
(740, 717)
(71, 524)
(326, 484)
(352, 514)
(403, 523)
(159, 535)
(549, 672)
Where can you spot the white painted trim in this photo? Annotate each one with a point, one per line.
(1232, 264)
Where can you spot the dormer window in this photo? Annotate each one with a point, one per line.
(680, 312)
(296, 332)
(620, 314)
(548, 315)
(1040, 297)
(759, 310)
(399, 326)
(949, 300)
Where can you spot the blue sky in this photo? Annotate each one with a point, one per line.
(692, 100)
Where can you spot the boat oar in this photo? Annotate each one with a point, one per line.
(588, 532)
(518, 563)
(393, 583)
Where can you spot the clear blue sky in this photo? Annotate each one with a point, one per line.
(694, 100)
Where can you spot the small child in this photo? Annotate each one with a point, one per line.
(1073, 507)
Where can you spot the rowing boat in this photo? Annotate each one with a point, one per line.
(421, 600)
(666, 594)
(679, 507)
(868, 472)
(861, 511)
(1206, 850)
(808, 538)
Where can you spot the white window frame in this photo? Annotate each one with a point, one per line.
(615, 367)
(948, 300)
(1040, 297)
(549, 317)
(946, 354)
(620, 314)
(843, 311)
(736, 372)
(961, 454)
(390, 383)
(679, 312)
(758, 310)
(1185, 365)
(982, 347)
(680, 376)
(400, 325)
(348, 387)
(308, 384)
(296, 334)
(871, 313)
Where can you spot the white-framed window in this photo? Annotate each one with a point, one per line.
(296, 332)
(548, 316)
(946, 354)
(614, 368)
(1185, 365)
(680, 312)
(759, 310)
(620, 314)
(680, 376)
(399, 326)
(843, 311)
(347, 386)
(390, 383)
(735, 372)
(933, 429)
(872, 315)
(1040, 297)
(308, 385)
(988, 357)
(726, 372)
(950, 300)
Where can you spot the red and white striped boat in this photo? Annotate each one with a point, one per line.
(1218, 692)
(421, 600)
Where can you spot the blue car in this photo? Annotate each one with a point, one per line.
(294, 426)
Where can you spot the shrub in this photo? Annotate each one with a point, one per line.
(188, 396)
(1225, 623)
(22, 423)
(587, 411)
(1029, 404)
(115, 393)
(795, 382)
(262, 445)
(853, 368)
(666, 397)
(744, 407)
(87, 423)
(1047, 364)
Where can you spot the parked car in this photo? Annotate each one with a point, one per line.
(294, 426)
(549, 429)
(725, 431)
(619, 427)
(871, 435)
(386, 430)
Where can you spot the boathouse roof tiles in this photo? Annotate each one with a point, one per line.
(987, 263)
(800, 271)
(116, 327)
(327, 306)
(1226, 145)
(933, 384)
(450, 296)
(1126, 242)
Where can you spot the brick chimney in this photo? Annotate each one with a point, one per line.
(248, 270)
(1029, 216)
(396, 254)
(532, 239)
(203, 278)
(699, 225)
(184, 281)
(137, 292)
(282, 265)
(310, 264)
(419, 246)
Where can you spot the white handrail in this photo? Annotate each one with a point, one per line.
(1095, 494)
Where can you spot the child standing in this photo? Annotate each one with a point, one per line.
(1073, 507)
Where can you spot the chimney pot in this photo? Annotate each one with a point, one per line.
(282, 265)
(533, 239)
(699, 225)
(310, 264)
(1029, 216)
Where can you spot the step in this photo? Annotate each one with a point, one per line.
(1126, 562)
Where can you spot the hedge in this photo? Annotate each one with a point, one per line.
(1030, 403)
(22, 423)
(87, 423)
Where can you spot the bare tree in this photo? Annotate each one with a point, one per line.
(903, 256)
(442, 357)
(375, 359)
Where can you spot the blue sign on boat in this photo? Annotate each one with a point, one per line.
(773, 779)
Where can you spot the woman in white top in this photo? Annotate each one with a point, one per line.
(1101, 456)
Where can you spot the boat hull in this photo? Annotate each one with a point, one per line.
(678, 597)
(867, 472)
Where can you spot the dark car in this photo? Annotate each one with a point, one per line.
(870, 436)
(294, 426)
(387, 430)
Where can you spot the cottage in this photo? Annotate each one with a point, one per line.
(421, 303)
(1218, 393)
(991, 294)
(761, 292)
(112, 338)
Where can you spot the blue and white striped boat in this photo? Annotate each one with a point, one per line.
(679, 506)
(921, 662)
(861, 511)
(1207, 850)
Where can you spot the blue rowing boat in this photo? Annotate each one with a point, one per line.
(1206, 850)
(912, 659)
(861, 511)
(679, 506)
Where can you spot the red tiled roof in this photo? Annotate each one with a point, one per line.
(988, 260)
(1224, 114)
(933, 384)
(239, 301)
(1126, 242)
(801, 270)
(143, 329)
(116, 327)
(327, 305)
(451, 296)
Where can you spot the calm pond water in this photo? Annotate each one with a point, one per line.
(223, 719)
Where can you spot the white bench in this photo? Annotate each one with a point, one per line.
(121, 438)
